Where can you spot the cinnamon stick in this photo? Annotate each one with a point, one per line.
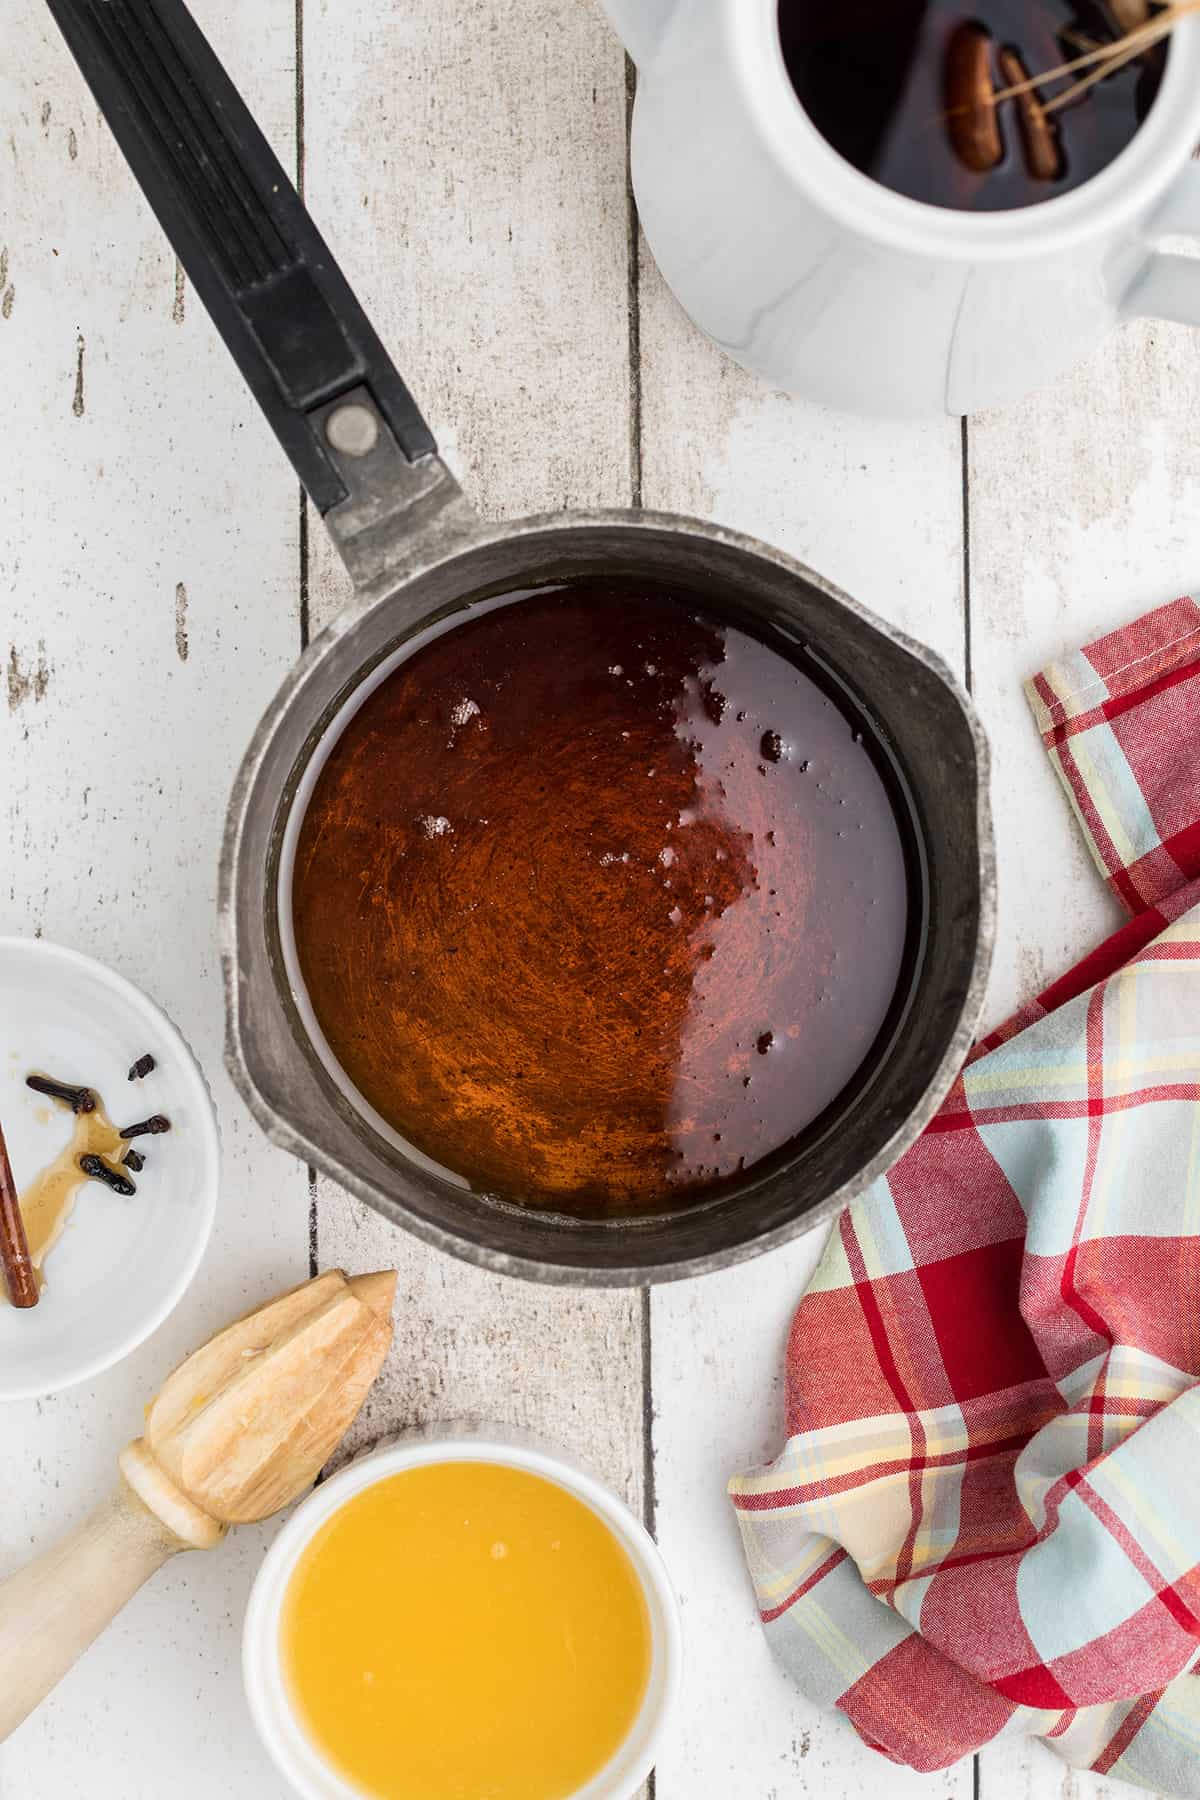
(19, 1275)
(971, 100)
(1043, 158)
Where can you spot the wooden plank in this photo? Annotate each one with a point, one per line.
(1029, 1771)
(1082, 517)
(468, 167)
(148, 598)
(745, 1732)
(877, 507)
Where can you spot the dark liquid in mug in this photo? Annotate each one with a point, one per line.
(880, 78)
(600, 901)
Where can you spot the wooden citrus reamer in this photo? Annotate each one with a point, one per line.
(240, 1429)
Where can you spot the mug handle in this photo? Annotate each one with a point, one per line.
(1169, 285)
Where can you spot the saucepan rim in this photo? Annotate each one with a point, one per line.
(462, 536)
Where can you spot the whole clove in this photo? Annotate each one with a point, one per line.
(133, 1159)
(79, 1099)
(142, 1067)
(99, 1170)
(150, 1127)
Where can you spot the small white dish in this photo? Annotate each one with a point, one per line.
(266, 1690)
(121, 1265)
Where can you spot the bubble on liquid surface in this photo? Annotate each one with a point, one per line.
(434, 827)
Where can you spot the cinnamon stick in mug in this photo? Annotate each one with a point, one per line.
(19, 1276)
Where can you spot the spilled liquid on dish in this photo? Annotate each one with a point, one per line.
(48, 1201)
(600, 901)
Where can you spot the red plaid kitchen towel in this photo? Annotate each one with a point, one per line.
(985, 1518)
(1117, 719)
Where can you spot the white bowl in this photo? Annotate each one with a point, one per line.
(121, 1265)
(292, 1751)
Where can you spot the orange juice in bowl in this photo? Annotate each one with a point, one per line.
(459, 1616)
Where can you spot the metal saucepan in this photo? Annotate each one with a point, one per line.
(419, 555)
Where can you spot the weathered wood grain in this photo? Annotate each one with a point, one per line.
(1083, 514)
(878, 508)
(1028, 1771)
(467, 165)
(148, 608)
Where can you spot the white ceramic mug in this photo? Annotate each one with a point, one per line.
(826, 283)
(262, 1664)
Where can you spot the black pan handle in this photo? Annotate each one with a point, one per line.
(252, 252)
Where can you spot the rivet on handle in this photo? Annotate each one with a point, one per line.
(353, 430)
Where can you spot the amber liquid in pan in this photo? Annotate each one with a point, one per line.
(599, 901)
(877, 78)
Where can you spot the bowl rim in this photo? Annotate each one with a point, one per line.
(278, 1727)
(139, 1001)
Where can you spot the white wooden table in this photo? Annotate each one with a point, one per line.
(158, 576)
